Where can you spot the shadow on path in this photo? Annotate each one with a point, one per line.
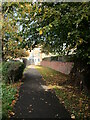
(35, 102)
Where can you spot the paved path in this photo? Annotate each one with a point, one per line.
(35, 102)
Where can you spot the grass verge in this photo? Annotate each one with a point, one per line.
(76, 102)
(9, 97)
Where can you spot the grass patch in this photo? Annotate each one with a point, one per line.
(51, 76)
(76, 102)
(9, 97)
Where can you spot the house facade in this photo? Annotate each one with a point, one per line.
(35, 56)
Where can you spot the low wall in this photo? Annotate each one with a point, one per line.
(63, 67)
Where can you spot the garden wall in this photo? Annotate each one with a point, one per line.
(63, 67)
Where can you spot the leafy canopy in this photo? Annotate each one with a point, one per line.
(58, 27)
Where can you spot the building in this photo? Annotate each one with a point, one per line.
(35, 56)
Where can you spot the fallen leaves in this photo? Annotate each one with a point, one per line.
(50, 87)
(11, 113)
(53, 77)
(56, 115)
(42, 99)
(30, 111)
(73, 116)
(46, 102)
(13, 102)
(49, 104)
(17, 86)
(30, 105)
(75, 102)
(30, 108)
(17, 95)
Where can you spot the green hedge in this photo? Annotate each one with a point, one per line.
(12, 71)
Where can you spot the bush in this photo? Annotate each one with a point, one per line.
(12, 71)
(24, 61)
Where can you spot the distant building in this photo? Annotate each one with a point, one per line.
(36, 56)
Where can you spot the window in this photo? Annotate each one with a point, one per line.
(38, 60)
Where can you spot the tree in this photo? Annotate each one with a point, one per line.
(59, 27)
(66, 24)
(10, 33)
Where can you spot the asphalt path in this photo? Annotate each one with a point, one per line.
(36, 102)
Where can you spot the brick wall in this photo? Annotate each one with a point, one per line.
(63, 67)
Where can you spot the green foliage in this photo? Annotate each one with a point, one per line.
(10, 37)
(24, 61)
(66, 24)
(12, 71)
(8, 94)
(58, 27)
(0, 69)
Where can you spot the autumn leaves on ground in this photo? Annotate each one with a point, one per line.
(76, 102)
(10, 95)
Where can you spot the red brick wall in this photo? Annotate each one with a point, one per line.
(63, 67)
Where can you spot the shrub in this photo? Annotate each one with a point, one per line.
(12, 71)
(24, 61)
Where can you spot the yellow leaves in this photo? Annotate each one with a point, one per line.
(20, 39)
(26, 46)
(50, 87)
(40, 10)
(28, 10)
(50, 25)
(40, 32)
(80, 40)
(28, 7)
(26, 4)
(22, 6)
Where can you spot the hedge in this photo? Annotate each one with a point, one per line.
(12, 71)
